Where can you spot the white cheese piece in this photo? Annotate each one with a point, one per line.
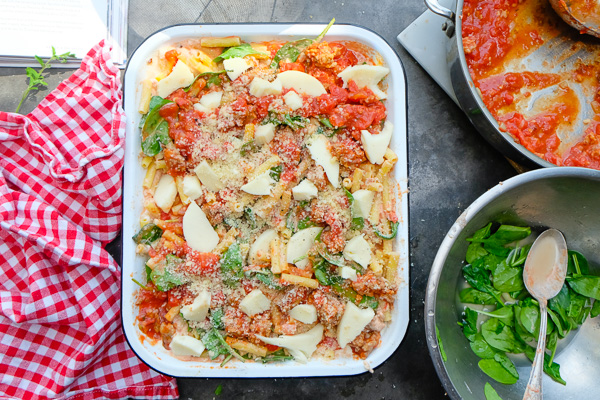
(363, 200)
(260, 250)
(255, 303)
(191, 187)
(293, 100)
(305, 190)
(348, 273)
(197, 230)
(366, 75)
(261, 87)
(211, 100)
(261, 185)
(198, 310)
(208, 177)
(305, 313)
(165, 193)
(203, 109)
(299, 245)
(302, 83)
(352, 323)
(319, 151)
(180, 76)
(263, 134)
(301, 346)
(376, 145)
(359, 250)
(183, 345)
(235, 67)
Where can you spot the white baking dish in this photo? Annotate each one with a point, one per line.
(133, 266)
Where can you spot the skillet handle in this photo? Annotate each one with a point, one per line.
(438, 9)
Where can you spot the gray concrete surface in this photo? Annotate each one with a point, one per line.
(450, 165)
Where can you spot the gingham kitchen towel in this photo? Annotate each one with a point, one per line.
(60, 202)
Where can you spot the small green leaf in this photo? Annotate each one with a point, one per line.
(219, 390)
(148, 234)
(490, 392)
(244, 49)
(496, 371)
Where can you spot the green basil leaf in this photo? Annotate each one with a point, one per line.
(242, 50)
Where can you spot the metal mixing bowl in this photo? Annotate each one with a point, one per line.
(564, 198)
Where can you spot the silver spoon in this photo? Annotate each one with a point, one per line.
(574, 13)
(544, 275)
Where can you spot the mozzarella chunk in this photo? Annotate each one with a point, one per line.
(235, 67)
(260, 186)
(359, 250)
(318, 147)
(293, 100)
(198, 310)
(301, 346)
(208, 177)
(203, 109)
(363, 200)
(255, 303)
(302, 83)
(348, 273)
(305, 190)
(352, 323)
(260, 249)
(180, 76)
(366, 75)
(376, 145)
(197, 230)
(263, 134)
(183, 345)
(192, 187)
(299, 245)
(211, 100)
(305, 313)
(262, 87)
(165, 193)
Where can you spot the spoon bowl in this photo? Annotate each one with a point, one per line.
(583, 15)
(544, 276)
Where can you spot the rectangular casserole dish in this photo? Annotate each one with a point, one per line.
(133, 266)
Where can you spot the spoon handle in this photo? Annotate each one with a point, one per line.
(534, 386)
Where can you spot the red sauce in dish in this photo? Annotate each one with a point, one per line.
(528, 85)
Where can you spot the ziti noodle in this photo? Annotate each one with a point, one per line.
(269, 202)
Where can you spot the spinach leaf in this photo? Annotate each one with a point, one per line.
(440, 344)
(469, 324)
(481, 348)
(505, 314)
(490, 392)
(231, 265)
(216, 318)
(474, 296)
(358, 223)
(277, 356)
(509, 233)
(305, 223)
(561, 326)
(551, 343)
(163, 279)
(500, 336)
(295, 122)
(393, 229)
(530, 317)
(523, 334)
(586, 285)
(249, 214)
(266, 276)
(148, 234)
(155, 131)
(290, 51)
(216, 345)
(497, 371)
(551, 369)
(213, 79)
(560, 302)
(479, 278)
(249, 147)
(350, 294)
(595, 309)
(475, 251)
(242, 50)
(577, 264)
(508, 279)
(275, 172)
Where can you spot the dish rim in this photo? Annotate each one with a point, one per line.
(396, 331)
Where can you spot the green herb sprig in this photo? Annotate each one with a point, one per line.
(36, 78)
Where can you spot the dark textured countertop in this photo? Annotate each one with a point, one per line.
(450, 165)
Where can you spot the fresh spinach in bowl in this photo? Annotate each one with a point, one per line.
(510, 319)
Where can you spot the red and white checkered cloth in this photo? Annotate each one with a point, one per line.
(60, 202)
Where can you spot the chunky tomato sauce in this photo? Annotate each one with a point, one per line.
(537, 79)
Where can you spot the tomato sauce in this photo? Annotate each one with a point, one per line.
(531, 91)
